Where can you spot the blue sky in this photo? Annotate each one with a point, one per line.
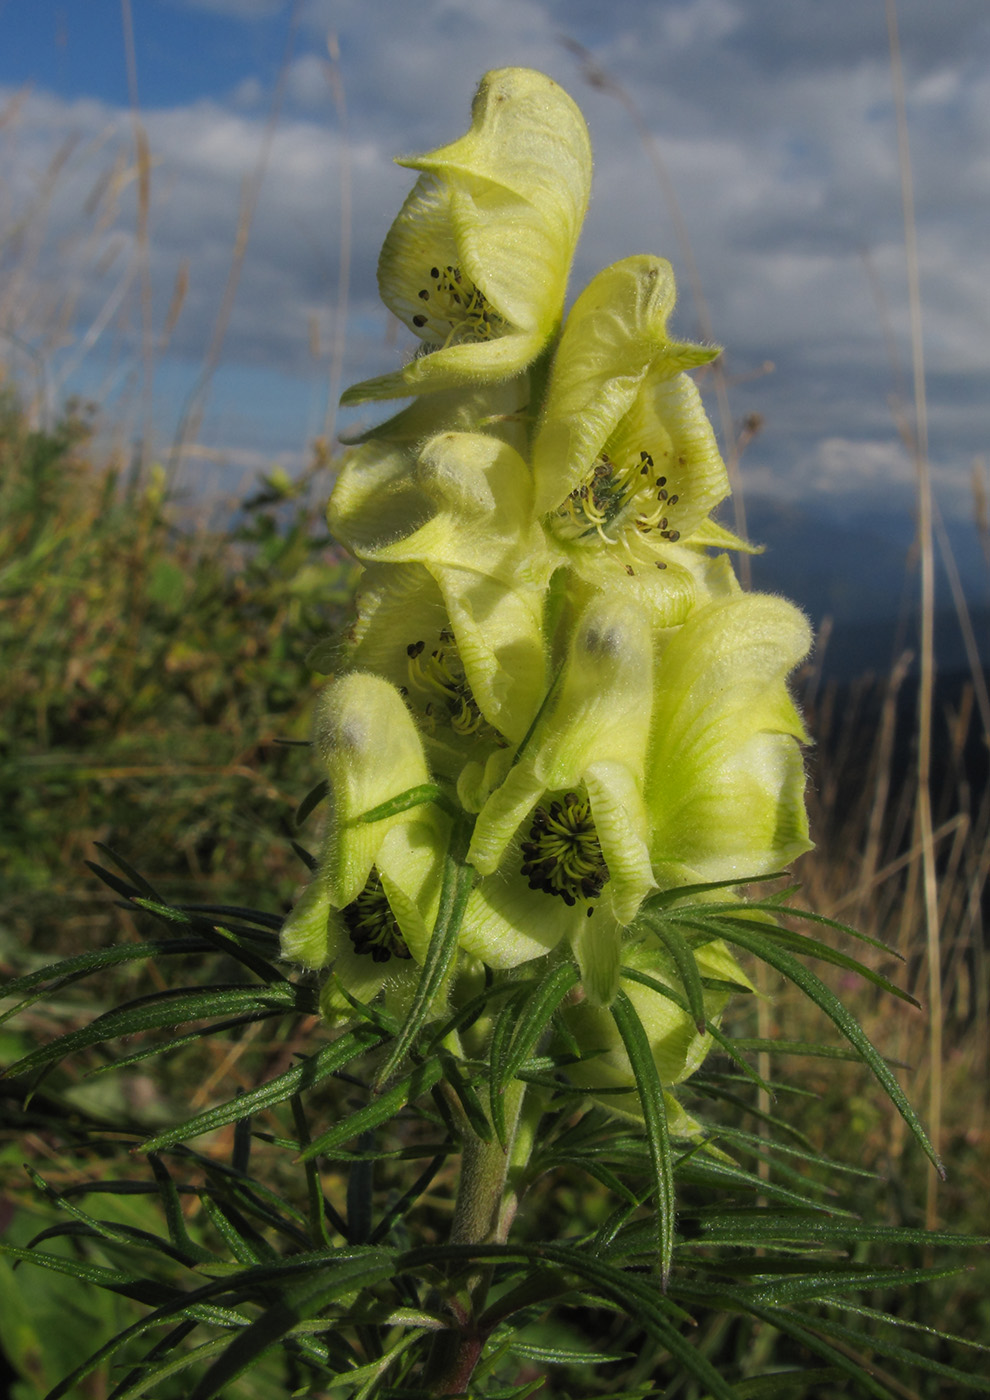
(774, 119)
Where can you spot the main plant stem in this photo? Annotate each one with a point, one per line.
(487, 1197)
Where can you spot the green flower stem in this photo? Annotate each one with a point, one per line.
(487, 1198)
(486, 1168)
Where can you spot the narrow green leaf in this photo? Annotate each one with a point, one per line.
(307, 857)
(311, 801)
(380, 1110)
(803, 1047)
(664, 898)
(118, 1234)
(404, 802)
(305, 1075)
(498, 1055)
(143, 1378)
(637, 1045)
(45, 981)
(243, 1241)
(827, 1284)
(168, 1008)
(774, 907)
(723, 1041)
(467, 1014)
(567, 1356)
(597, 1170)
(687, 968)
(630, 1293)
(299, 1301)
(189, 1305)
(809, 916)
(762, 1144)
(377, 1368)
(808, 1336)
(458, 878)
(138, 880)
(468, 1099)
(222, 939)
(908, 1324)
(760, 1227)
(118, 886)
(536, 1014)
(314, 1189)
(917, 1361)
(407, 1200)
(174, 1219)
(112, 1279)
(815, 989)
(268, 924)
(797, 1384)
(805, 946)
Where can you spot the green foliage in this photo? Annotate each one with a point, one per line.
(148, 672)
(245, 1270)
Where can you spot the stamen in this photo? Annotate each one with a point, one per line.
(371, 924)
(440, 679)
(562, 854)
(618, 503)
(459, 311)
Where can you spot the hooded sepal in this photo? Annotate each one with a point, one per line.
(379, 496)
(562, 842)
(625, 460)
(476, 262)
(371, 754)
(725, 776)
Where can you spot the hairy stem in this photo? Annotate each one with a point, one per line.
(487, 1197)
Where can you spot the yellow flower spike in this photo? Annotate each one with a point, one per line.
(626, 464)
(563, 842)
(476, 262)
(724, 775)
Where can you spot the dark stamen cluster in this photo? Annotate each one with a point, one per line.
(562, 854)
(617, 497)
(455, 300)
(647, 521)
(372, 926)
(439, 676)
